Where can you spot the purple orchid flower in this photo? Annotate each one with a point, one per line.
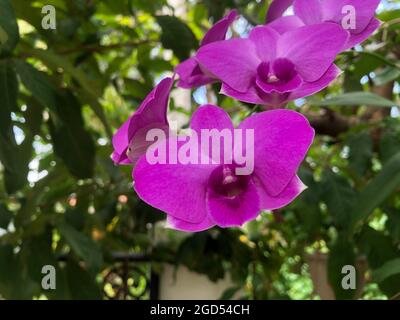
(191, 75)
(197, 197)
(309, 12)
(277, 9)
(270, 68)
(129, 141)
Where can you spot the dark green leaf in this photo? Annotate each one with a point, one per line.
(82, 285)
(177, 36)
(360, 152)
(229, 293)
(382, 186)
(83, 246)
(14, 280)
(389, 269)
(355, 99)
(9, 33)
(14, 158)
(387, 75)
(379, 250)
(308, 203)
(389, 145)
(38, 84)
(341, 254)
(5, 216)
(72, 142)
(338, 196)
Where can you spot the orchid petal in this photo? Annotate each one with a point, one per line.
(335, 10)
(250, 96)
(218, 30)
(282, 139)
(265, 40)
(361, 37)
(232, 61)
(309, 88)
(291, 192)
(177, 189)
(277, 9)
(151, 113)
(234, 211)
(312, 48)
(310, 11)
(182, 225)
(285, 24)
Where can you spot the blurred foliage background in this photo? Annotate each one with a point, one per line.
(64, 92)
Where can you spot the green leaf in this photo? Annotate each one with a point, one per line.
(307, 204)
(14, 279)
(338, 196)
(177, 36)
(381, 187)
(387, 75)
(379, 250)
(7, 270)
(81, 284)
(55, 61)
(13, 157)
(389, 269)
(9, 33)
(37, 252)
(355, 99)
(389, 145)
(229, 293)
(3, 36)
(38, 84)
(361, 151)
(83, 246)
(92, 88)
(71, 141)
(5, 216)
(340, 255)
(393, 223)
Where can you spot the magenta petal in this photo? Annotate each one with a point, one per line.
(282, 139)
(139, 145)
(277, 9)
(281, 88)
(234, 211)
(285, 24)
(191, 75)
(273, 100)
(218, 30)
(120, 143)
(364, 10)
(210, 117)
(232, 61)
(120, 158)
(152, 113)
(182, 225)
(359, 38)
(291, 192)
(250, 96)
(265, 40)
(310, 11)
(189, 71)
(178, 190)
(312, 48)
(309, 88)
(217, 119)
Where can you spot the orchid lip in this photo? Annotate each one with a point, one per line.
(226, 183)
(279, 76)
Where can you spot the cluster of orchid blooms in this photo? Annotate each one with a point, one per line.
(288, 58)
